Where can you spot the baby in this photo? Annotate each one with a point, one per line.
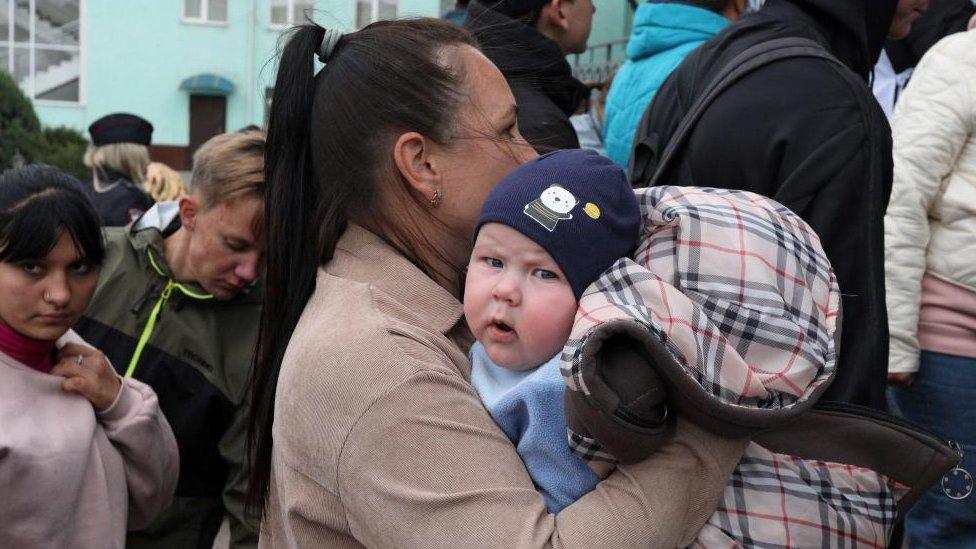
(545, 233)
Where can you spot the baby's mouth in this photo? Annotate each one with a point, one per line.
(501, 326)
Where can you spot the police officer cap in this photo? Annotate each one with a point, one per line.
(120, 127)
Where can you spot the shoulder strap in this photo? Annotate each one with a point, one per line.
(749, 60)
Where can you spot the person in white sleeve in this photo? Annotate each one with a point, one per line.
(930, 257)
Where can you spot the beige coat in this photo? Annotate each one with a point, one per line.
(930, 226)
(380, 440)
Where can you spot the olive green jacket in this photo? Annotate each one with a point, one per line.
(196, 353)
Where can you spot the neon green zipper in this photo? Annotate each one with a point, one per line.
(163, 298)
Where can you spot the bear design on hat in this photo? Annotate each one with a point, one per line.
(553, 205)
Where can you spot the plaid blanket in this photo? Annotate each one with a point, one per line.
(738, 290)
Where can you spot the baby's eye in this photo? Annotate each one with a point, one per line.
(546, 274)
(494, 263)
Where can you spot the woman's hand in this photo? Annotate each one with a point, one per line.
(903, 380)
(89, 374)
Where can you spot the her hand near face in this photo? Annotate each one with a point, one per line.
(91, 377)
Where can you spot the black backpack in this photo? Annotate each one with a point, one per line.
(647, 167)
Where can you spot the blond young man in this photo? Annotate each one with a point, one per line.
(177, 307)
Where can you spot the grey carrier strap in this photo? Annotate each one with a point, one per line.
(646, 170)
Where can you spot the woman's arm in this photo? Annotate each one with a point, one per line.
(136, 427)
(425, 466)
(932, 123)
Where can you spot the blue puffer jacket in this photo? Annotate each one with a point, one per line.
(663, 35)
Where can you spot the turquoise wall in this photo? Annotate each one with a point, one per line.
(135, 61)
(611, 21)
(137, 53)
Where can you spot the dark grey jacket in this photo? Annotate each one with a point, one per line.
(541, 79)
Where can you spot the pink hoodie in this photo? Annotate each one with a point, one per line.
(71, 477)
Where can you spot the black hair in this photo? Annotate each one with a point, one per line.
(388, 78)
(37, 204)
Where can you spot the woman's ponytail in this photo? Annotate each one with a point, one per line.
(291, 200)
(311, 198)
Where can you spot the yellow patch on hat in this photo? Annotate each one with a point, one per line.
(592, 210)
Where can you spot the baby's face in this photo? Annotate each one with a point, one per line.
(517, 301)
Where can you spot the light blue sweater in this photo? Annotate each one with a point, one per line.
(528, 406)
(663, 35)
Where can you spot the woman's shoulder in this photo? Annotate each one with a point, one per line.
(355, 318)
(350, 347)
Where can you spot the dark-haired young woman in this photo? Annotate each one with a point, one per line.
(366, 430)
(83, 454)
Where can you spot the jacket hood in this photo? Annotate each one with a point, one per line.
(855, 30)
(162, 217)
(733, 296)
(522, 53)
(660, 27)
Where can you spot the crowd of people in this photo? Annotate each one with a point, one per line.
(421, 315)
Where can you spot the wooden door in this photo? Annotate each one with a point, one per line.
(208, 117)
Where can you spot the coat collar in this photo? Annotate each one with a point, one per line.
(364, 257)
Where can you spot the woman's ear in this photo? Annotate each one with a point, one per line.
(412, 157)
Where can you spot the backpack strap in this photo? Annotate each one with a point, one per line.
(752, 58)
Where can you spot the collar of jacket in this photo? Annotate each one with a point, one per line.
(146, 234)
(523, 53)
(361, 256)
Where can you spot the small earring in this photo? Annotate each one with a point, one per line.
(436, 199)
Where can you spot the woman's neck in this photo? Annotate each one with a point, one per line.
(442, 259)
(35, 353)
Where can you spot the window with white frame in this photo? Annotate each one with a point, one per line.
(285, 13)
(205, 11)
(369, 11)
(40, 46)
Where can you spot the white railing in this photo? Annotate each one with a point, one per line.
(598, 63)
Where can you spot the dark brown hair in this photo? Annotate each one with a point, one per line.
(328, 156)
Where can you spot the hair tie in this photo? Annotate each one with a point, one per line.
(328, 45)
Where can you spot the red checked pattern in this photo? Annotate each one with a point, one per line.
(735, 285)
(740, 292)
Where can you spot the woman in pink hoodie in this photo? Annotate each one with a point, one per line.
(84, 454)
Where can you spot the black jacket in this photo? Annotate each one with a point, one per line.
(537, 71)
(810, 135)
(119, 202)
(944, 17)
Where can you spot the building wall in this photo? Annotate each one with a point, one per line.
(611, 22)
(136, 54)
(134, 61)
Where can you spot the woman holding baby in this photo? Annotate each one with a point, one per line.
(366, 430)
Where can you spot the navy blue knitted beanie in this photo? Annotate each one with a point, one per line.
(574, 203)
